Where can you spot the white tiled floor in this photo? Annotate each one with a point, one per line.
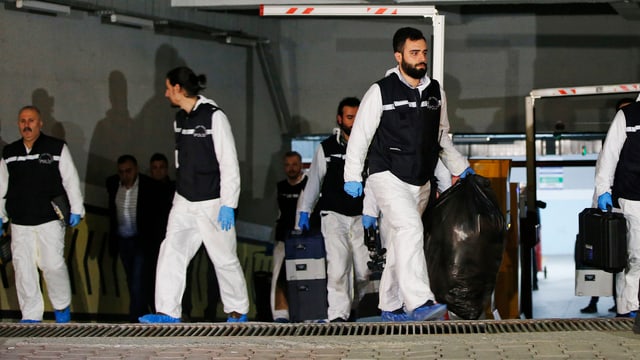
(555, 297)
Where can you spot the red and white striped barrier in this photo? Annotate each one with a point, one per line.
(585, 90)
(346, 10)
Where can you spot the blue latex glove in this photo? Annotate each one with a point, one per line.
(74, 220)
(303, 223)
(368, 221)
(353, 188)
(605, 201)
(467, 171)
(226, 218)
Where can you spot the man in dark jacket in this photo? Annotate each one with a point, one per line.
(138, 205)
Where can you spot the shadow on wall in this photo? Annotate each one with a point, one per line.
(41, 99)
(113, 134)
(153, 126)
(452, 90)
(119, 133)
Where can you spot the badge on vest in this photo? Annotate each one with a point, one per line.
(433, 103)
(46, 159)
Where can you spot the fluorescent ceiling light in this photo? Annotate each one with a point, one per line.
(131, 21)
(43, 7)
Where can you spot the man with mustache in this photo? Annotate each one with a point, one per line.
(402, 129)
(340, 216)
(33, 171)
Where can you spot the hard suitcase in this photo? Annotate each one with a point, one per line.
(590, 281)
(604, 239)
(306, 276)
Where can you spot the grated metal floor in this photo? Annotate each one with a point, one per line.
(46, 330)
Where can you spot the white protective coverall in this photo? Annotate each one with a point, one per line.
(42, 246)
(193, 223)
(347, 254)
(627, 281)
(405, 279)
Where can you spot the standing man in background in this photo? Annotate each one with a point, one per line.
(402, 126)
(288, 191)
(136, 204)
(340, 216)
(203, 211)
(616, 185)
(33, 171)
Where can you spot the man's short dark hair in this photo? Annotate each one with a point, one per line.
(158, 157)
(289, 154)
(30, 107)
(401, 36)
(624, 101)
(348, 101)
(126, 157)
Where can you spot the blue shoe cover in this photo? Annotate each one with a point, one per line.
(30, 321)
(158, 319)
(395, 316)
(242, 318)
(429, 311)
(63, 316)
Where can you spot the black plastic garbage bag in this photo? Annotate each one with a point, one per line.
(465, 234)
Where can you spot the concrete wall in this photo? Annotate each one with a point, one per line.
(101, 86)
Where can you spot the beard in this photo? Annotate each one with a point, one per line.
(412, 71)
(346, 130)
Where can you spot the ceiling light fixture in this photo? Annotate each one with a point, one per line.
(127, 20)
(44, 7)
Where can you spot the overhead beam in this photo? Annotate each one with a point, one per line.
(239, 4)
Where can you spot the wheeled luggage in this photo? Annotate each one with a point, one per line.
(306, 276)
(604, 239)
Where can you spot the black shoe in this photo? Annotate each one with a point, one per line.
(338, 320)
(612, 309)
(636, 325)
(590, 309)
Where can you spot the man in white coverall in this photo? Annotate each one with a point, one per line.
(340, 216)
(616, 185)
(402, 124)
(207, 192)
(33, 171)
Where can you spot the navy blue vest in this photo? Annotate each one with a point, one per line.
(332, 194)
(34, 179)
(407, 140)
(198, 174)
(626, 181)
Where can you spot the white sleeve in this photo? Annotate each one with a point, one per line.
(311, 192)
(364, 128)
(71, 181)
(225, 148)
(4, 184)
(369, 203)
(610, 153)
(452, 159)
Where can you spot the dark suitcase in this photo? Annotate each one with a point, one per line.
(604, 239)
(306, 276)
